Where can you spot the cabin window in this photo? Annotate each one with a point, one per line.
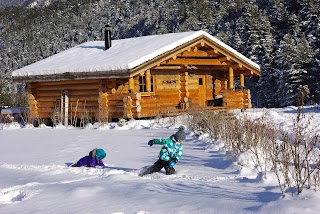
(200, 81)
(142, 84)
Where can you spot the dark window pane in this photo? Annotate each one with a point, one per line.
(142, 84)
(200, 81)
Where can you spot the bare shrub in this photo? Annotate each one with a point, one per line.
(294, 158)
(55, 117)
(84, 118)
(208, 122)
(302, 158)
(6, 118)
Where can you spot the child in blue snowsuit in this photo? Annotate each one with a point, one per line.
(94, 159)
(170, 153)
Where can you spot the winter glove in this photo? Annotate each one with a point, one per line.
(173, 162)
(151, 142)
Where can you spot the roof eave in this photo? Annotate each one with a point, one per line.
(72, 76)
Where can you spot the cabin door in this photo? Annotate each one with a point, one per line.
(202, 89)
(197, 90)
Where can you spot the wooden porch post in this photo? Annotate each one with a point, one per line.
(148, 81)
(241, 80)
(131, 84)
(231, 78)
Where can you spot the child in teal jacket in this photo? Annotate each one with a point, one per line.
(170, 152)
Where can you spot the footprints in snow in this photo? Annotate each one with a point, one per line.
(11, 196)
(19, 193)
(110, 170)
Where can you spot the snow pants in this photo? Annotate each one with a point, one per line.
(158, 165)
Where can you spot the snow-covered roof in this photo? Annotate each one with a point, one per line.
(125, 54)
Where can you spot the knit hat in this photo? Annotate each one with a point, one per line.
(100, 154)
(181, 128)
(180, 135)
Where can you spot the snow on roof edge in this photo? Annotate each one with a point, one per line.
(219, 42)
(186, 39)
(165, 49)
(29, 71)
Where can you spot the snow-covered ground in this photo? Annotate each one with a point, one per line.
(35, 177)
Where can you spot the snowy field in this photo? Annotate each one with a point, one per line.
(35, 177)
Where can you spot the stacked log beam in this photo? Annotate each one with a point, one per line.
(82, 93)
(150, 106)
(131, 105)
(184, 90)
(246, 99)
(217, 87)
(232, 99)
(209, 86)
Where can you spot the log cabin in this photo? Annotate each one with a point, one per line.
(137, 77)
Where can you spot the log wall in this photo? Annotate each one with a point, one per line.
(217, 87)
(113, 99)
(236, 99)
(167, 88)
(110, 98)
(150, 105)
(83, 98)
(94, 99)
(246, 99)
(233, 99)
